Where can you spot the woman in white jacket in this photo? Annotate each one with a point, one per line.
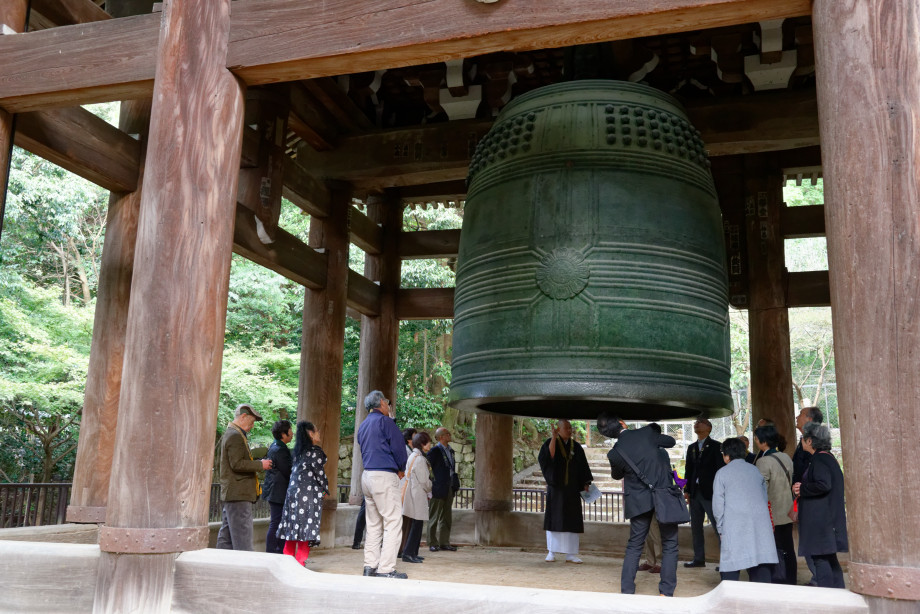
(416, 490)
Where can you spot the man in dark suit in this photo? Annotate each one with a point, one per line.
(704, 458)
(445, 483)
(642, 447)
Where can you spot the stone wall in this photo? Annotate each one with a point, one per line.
(465, 453)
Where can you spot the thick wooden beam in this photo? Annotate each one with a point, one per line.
(429, 244)
(310, 120)
(363, 294)
(870, 51)
(808, 289)
(364, 233)
(379, 334)
(435, 192)
(177, 319)
(82, 143)
(319, 398)
(440, 153)
(94, 62)
(13, 16)
(69, 12)
(768, 317)
(768, 121)
(96, 446)
(336, 102)
(425, 304)
(115, 59)
(287, 255)
(803, 222)
(304, 190)
(393, 33)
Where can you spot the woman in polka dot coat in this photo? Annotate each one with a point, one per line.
(303, 504)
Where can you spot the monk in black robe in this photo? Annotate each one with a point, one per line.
(565, 469)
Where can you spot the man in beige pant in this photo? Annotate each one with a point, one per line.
(383, 453)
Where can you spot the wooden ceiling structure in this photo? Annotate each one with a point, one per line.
(247, 100)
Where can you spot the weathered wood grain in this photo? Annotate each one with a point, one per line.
(425, 303)
(319, 397)
(13, 14)
(161, 470)
(429, 244)
(82, 143)
(808, 289)
(768, 317)
(867, 55)
(379, 335)
(439, 153)
(267, 36)
(71, 65)
(286, 255)
(304, 190)
(364, 233)
(802, 222)
(69, 12)
(494, 476)
(363, 294)
(114, 59)
(96, 444)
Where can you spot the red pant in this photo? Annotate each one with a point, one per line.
(299, 550)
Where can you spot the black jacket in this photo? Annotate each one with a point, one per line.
(702, 466)
(276, 479)
(442, 486)
(643, 448)
(800, 461)
(822, 516)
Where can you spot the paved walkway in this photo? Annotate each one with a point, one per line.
(514, 567)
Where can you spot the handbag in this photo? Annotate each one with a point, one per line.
(793, 512)
(669, 503)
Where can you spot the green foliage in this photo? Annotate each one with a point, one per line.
(263, 309)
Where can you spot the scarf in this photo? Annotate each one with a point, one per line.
(567, 454)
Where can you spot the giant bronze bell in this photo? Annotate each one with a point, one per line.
(591, 273)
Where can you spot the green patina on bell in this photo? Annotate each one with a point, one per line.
(591, 272)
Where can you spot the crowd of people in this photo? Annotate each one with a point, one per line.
(752, 499)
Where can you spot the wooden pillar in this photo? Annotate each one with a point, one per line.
(161, 472)
(13, 15)
(494, 473)
(103, 379)
(867, 55)
(323, 346)
(771, 363)
(380, 334)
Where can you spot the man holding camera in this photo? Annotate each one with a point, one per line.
(239, 485)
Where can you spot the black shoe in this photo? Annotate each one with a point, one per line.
(695, 564)
(449, 548)
(408, 558)
(356, 546)
(399, 554)
(393, 574)
(434, 548)
(370, 571)
(421, 558)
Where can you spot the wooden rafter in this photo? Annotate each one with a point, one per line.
(67, 12)
(114, 59)
(425, 303)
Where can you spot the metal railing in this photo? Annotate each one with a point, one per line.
(609, 508)
(261, 509)
(30, 505)
(33, 505)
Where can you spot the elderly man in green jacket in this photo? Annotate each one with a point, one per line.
(239, 485)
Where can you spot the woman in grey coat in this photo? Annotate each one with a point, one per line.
(739, 504)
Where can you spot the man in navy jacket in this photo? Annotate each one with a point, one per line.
(383, 453)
